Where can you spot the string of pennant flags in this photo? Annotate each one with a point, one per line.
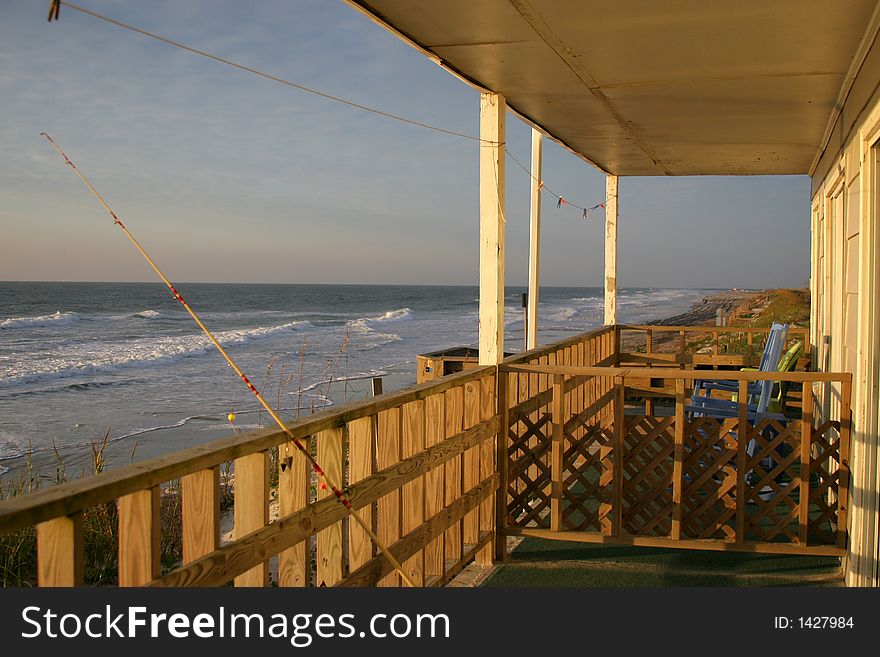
(561, 201)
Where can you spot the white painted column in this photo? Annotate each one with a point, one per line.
(610, 250)
(492, 115)
(535, 239)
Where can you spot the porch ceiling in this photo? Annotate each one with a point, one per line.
(678, 87)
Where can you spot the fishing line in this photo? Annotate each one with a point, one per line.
(322, 476)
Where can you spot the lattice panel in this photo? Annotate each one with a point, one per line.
(586, 477)
(772, 491)
(528, 501)
(709, 479)
(824, 483)
(647, 482)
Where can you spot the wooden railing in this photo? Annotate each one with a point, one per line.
(421, 466)
(591, 468)
(716, 346)
(417, 465)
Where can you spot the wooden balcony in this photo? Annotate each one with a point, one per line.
(594, 447)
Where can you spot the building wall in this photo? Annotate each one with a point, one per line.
(844, 284)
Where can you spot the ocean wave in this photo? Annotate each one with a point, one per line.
(563, 314)
(148, 314)
(143, 352)
(40, 321)
(366, 323)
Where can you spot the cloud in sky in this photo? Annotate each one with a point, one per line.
(229, 177)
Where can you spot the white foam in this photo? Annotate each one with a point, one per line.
(143, 352)
(148, 314)
(39, 321)
(13, 446)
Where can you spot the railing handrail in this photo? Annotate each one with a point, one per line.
(706, 328)
(546, 349)
(75, 496)
(676, 373)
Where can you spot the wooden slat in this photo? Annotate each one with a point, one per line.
(454, 420)
(678, 461)
(502, 462)
(435, 430)
(329, 556)
(139, 537)
(240, 555)
(201, 513)
(413, 493)
(60, 552)
(388, 508)
(252, 508)
(693, 544)
(294, 488)
(487, 467)
(72, 497)
(471, 461)
(804, 486)
(556, 453)
(361, 457)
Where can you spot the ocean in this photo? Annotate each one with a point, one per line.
(79, 361)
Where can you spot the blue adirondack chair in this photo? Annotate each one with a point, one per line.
(759, 391)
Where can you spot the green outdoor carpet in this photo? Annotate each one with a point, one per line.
(538, 562)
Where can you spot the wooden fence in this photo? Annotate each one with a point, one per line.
(590, 468)
(422, 466)
(714, 346)
(417, 465)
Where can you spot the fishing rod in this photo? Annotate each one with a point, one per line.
(319, 471)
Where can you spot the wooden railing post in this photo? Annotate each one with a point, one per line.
(60, 552)
(682, 348)
(201, 513)
(619, 470)
(678, 461)
(558, 418)
(501, 462)
(806, 457)
(252, 508)
(139, 537)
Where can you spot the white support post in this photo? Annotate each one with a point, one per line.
(492, 114)
(534, 240)
(610, 250)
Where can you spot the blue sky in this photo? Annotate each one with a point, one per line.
(225, 176)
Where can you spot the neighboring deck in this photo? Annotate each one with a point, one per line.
(595, 448)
